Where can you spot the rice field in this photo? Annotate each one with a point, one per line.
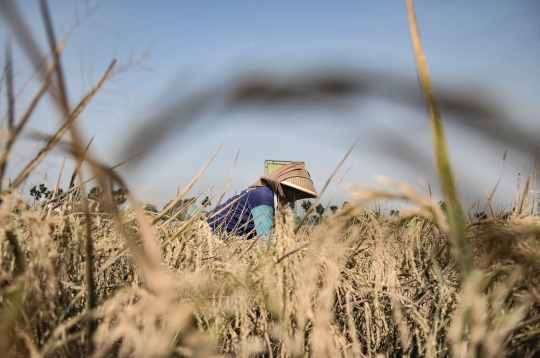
(80, 277)
(360, 284)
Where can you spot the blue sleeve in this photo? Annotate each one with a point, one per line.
(262, 217)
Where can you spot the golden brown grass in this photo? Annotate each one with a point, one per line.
(360, 284)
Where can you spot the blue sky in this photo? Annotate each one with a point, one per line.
(488, 49)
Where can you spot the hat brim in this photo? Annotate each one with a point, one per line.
(297, 187)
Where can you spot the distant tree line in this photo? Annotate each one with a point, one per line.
(320, 209)
(96, 194)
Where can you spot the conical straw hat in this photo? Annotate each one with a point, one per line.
(302, 184)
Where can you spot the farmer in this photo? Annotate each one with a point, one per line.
(251, 212)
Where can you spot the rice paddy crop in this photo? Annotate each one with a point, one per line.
(79, 277)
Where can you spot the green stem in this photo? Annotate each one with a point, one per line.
(456, 219)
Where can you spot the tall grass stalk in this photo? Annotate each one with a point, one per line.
(442, 163)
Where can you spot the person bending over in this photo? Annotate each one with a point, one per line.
(251, 212)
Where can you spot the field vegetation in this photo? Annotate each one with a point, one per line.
(80, 277)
